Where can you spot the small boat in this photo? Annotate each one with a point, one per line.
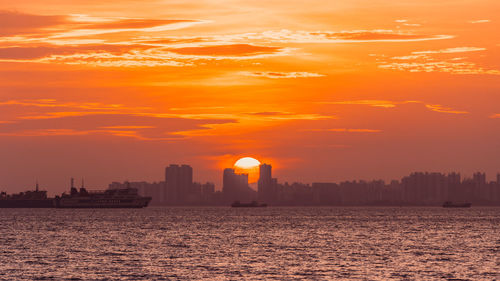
(238, 204)
(449, 204)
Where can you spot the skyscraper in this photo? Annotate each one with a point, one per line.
(266, 184)
(235, 186)
(179, 180)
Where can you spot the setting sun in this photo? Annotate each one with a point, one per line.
(250, 166)
(247, 163)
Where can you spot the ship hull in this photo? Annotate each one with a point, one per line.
(27, 203)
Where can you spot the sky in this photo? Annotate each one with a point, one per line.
(321, 90)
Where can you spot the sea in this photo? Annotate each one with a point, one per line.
(273, 243)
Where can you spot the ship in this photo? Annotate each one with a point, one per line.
(28, 199)
(238, 204)
(111, 198)
(449, 204)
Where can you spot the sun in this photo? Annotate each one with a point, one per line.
(247, 163)
(250, 166)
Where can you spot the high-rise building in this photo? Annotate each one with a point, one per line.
(235, 186)
(481, 191)
(179, 180)
(266, 184)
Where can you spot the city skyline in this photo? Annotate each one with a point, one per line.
(237, 172)
(418, 188)
(415, 189)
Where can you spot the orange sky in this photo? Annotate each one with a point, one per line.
(323, 90)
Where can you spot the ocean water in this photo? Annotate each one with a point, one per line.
(271, 243)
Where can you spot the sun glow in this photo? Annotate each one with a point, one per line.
(250, 166)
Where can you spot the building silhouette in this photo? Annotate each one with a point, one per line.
(179, 183)
(235, 187)
(418, 188)
(267, 185)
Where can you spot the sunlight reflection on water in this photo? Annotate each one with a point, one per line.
(250, 244)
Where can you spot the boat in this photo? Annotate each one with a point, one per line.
(449, 204)
(28, 199)
(111, 198)
(238, 204)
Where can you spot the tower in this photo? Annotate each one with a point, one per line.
(179, 180)
(266, 183)
(235, 186)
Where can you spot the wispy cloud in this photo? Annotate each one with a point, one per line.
(392, 104)
(348, 36)
(437, 61)
(443, 109)
(141, 56)
(440, 66)
(345, 130)
(451, 50)
(479, 21)
(48, 117)
(144, 42)
(374, 103)
(281, 75)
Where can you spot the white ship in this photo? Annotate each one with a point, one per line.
(110, 198)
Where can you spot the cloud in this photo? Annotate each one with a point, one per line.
(13, 23)
(137, 55)
(291, 116)
(374, 103)
(227, 50)
(346, 130)
(51, 103)
(127, 26)
(440, 66)
(443, 109)
(144, 127)
(495, 115)
(37, 52)
(451, 50)
(437, 61)
(61, 26)
(349, 36)
(392, 104)
(479, 21)
(281, 75)
(128, 127)
(144, 42)
(49, 117)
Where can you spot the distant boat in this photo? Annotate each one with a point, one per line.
(238, 204)
(449, 204)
